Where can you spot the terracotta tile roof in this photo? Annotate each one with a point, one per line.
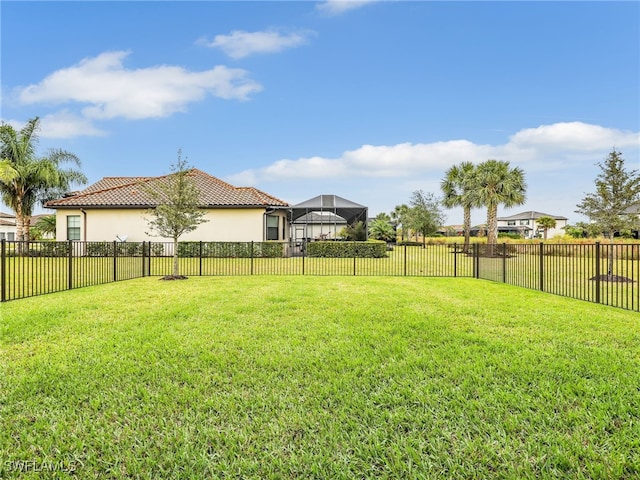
(130, 192)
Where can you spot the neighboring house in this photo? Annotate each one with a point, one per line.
(525, 224)
(115, 208)
(7, 226)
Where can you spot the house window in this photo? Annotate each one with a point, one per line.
(272, 227)
(511, 223)
(524, 222)
(73, 227)
(11, 236)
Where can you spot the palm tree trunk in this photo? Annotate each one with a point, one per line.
(19, 229)
(492, 228)
(467, 229)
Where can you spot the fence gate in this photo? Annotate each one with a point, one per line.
(490, 262)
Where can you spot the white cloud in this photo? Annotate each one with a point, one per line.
(65, 124)
(536, 149)
(240, 44)
(111, 90)
(338, 7)
(575, 136)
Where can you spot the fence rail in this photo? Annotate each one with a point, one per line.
(599, 273)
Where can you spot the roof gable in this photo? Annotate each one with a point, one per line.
(132, 192)
(531, 215)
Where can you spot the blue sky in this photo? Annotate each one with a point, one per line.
(367, 100)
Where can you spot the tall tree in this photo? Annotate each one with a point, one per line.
(497, 184)
(617, 190)
(546, 223)
(425, 214)
(27, 179)
(458, 189)
(177, 207)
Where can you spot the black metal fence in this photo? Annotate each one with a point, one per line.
(600, 273)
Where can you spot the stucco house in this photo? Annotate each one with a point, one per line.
(115, 208)
(525, 224)
(7, 226)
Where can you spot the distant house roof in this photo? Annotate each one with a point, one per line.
(132, 192)
(633, 209)
(531, 215)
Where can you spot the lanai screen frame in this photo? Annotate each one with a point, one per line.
(352, 212)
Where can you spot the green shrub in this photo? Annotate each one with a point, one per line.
(100, 249)
(368, 249)
(54, 249)
(231, 249)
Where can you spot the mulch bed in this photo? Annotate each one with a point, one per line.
(174, 277)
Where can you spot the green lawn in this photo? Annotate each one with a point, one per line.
(318, 377)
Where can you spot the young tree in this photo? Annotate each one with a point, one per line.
(546, 223)
(425, 215)
(177, 211)
(498, 184)
(617, 190)
(27, 179)
(458, 189)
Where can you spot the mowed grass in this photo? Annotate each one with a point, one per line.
(318, 377)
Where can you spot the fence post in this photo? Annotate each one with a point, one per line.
(504, 262)
(455, 259)
(304, 253)
(70, 262)
(476, 261)
(200, 257)
(143, 242)
(541, 255)
(355, 254)
(115, 261)
(251, 257)
(3, 271)
(405, 259)
(597, 272)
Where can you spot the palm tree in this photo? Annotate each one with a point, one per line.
(381, 229)
(25, 178)
(399, 217)
(546, 223)
(458, 190)
(498, 184)
(46, 226)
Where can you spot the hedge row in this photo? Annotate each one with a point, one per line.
(368, 249)
(231, 249)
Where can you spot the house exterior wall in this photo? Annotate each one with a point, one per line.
(531, 223)
(7, 232)
(231, 225)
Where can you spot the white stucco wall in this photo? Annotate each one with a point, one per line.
(533, 224)
(231, 225)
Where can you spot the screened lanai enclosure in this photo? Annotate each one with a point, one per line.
(323, 217)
